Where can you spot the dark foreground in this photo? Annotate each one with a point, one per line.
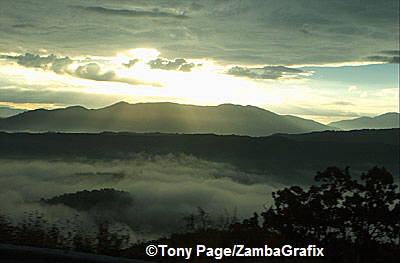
(23, 254)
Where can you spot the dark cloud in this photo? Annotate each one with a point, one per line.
(131, 63)
(50, 62)
(59, 65)
(233, 32)
(177, 64)
(132, 13)
(93, 71)
(391, 52)
(386, 59)
(196, 6)
(23, 26)
(267, 72)
(187, 67)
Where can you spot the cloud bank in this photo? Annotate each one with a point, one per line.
(234, 32)
(164, 188)
(178, 64)
(84, 70)
(267, 72)
(155, 13)
(385, 59)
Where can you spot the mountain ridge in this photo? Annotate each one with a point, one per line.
(383, 121)
(281, 157)
(8, 111)
(165, 117)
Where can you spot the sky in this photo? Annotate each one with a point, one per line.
(322, 60)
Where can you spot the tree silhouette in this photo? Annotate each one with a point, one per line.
(340, 211)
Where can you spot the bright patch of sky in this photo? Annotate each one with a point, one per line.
(203, 52)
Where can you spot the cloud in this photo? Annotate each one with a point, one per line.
(179, 64)
(131, 63)
(391, 52)
(23, 26)
(50, 62)
(387, 56)
(267, 72)
(385, 59)
(353, 88)
(164, 188)
(234, 32)
(93, 71)
(61, 65)
(155, 13)
(343, 103)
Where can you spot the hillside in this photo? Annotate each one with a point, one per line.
(285, 157)
(8, 112)
(161, 117)
(384, 121)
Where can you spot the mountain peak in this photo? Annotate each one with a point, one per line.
(387, 114)
(384, 121)
(75, 107)
(8, 111)
(241, 107)
(120, 103)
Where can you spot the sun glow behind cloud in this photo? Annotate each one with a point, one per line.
(204, 85)
(143, 54)
(129, 76)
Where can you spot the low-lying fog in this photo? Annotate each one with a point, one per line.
(164, 189)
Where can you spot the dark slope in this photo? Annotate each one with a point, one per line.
(381, 136)
(161, 117)
(384, 121)
(287, 157)
(25, 254)
(7, 112)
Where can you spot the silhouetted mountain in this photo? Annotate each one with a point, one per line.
(384, 121)
(288, 158)
(161, 117)
(8, 112)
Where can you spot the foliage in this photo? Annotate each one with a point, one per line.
(36, 231)
(339, 208)
(94, 199)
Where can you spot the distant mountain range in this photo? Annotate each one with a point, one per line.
(162, 117)
(384, 121)
(165, 117)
